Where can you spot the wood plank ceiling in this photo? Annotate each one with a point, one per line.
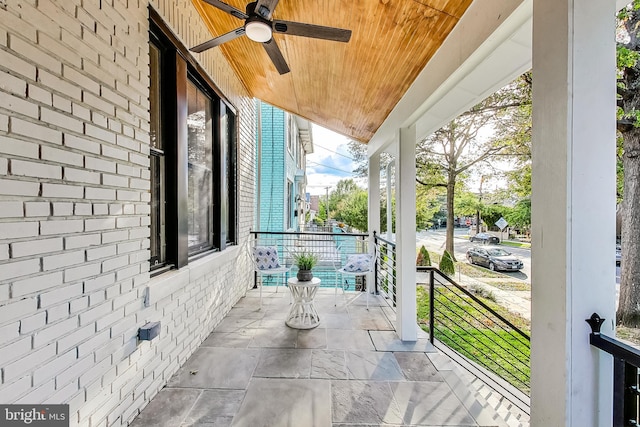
(346, 87)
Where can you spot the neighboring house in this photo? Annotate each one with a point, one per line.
(283, 141)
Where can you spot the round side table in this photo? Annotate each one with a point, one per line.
(303, 314)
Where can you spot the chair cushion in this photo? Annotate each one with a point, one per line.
(357, 263)
(266, 257)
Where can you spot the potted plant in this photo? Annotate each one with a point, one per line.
(305, 261)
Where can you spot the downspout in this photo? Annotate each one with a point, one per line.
(389, 205)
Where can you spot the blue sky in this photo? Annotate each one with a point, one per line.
(330, 161)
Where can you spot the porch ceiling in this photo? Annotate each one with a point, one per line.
(348, 87)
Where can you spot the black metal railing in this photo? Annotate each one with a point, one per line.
(626, 366)
(323, 244)
(385, 274)
(472, 328)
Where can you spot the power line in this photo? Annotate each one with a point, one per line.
(333, 151)
(327, 166)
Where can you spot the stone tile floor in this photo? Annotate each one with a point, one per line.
(352, 370)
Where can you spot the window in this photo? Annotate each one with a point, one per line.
(157, 163)
(193, 157)
(288, 203)
(289, 134)
(228, 143)
(200, 166)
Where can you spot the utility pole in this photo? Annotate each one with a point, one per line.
(478, 210)
(327, 205)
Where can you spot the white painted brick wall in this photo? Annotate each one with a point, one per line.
(74, 211)
(37, 209)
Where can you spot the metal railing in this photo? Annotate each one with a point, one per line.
(385, 274)
(626, 367)
(464, 323)
(323, 244)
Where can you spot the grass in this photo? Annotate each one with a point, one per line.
(510, 286)
(467, 328)
(628, 334)
(516, 244)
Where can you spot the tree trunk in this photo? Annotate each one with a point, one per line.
(629, 304)
(451, 191)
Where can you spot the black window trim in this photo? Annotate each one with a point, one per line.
(180, 63)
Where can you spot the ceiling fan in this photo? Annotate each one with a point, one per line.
(259, 27)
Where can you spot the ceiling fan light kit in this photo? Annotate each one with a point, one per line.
(259, 27)
(257, 30)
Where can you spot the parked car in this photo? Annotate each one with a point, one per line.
(618, 254)
(485, 238)
(494, 259)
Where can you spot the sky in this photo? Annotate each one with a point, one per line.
(330, 161)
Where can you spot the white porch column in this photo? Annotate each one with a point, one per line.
(406, 235)
(373, 200)
(573, 209)
(373, 219)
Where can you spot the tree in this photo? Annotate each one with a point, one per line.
(520, 216)
(423, 259)
(344, 188)
(453, 150)
(628, 125)
(446, 264)
(353, 209)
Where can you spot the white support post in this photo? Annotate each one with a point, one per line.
(373, 220)
(406, 235)
(573, 210)
(374, 194)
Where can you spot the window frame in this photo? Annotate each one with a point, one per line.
(180, 68)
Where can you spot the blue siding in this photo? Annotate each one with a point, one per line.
(272, 187)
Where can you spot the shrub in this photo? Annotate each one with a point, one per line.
(423, 257)
(446, 264)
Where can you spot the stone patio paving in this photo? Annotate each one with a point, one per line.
(352, 370)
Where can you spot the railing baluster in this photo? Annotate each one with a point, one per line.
(431, 305)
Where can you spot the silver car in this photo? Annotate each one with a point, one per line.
(494, 259)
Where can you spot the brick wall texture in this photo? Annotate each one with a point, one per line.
(74, 210)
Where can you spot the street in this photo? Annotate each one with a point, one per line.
(434, 241)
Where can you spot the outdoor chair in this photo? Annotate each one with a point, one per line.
(354, 260)
(269, 260)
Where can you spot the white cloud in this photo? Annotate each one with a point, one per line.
(330, 161)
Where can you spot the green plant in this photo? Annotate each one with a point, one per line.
(446, 264)
(305, 260)
(423, 257)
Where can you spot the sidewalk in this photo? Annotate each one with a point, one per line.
(513, 302)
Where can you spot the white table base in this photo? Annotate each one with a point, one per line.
(303, 314)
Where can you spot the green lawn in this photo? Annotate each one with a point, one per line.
(510, 286)
(462, 325)
(516, 244)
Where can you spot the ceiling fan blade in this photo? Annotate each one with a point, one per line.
(310, 30)
(227, 8)
(265, 8)
(218, 40)
(276, 56)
